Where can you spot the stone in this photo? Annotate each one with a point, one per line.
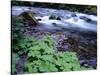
(73, 15)
(52, 17)
(58, 18)
(63, 45)
(85, 18)
(39, 19)
(28, 17)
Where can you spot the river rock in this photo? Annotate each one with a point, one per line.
(52, 17)
(54, 24)
(58, 18)
(89, 62)
(73, 15)
(39, 19)
(63, 45)
(28, 17)
(85, 18)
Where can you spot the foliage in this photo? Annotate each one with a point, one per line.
(42, 55)
(43, 58)
(17, 26)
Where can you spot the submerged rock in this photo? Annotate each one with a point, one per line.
(73, 15)
(85, 18)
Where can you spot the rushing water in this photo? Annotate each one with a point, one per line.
(72, 22)
(68, 21)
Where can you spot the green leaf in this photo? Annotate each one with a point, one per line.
(47, 67)
(47, 58)
(35, 48)
(34, 53)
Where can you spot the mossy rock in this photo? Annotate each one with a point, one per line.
(29, 17)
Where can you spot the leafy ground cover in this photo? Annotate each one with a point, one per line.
(39, 55)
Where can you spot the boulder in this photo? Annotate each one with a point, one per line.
(52, 17)
(58, 18)
(28, 17)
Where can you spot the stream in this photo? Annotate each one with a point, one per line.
(72, 31)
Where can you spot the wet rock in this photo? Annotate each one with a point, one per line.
(28, 17)
(88, 34)
(54, 24)
(73, 42)
(67, 43)
(85, 18)
(84, 63)
(73, 15)
(58, 18)
(92, 62)
(52, 17)
(63, 45)
(39, 19)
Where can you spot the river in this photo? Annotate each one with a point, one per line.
(80, 26)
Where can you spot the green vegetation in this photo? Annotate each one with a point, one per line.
(41, 54)
(43, 58)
